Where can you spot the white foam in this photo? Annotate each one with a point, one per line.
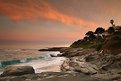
(43, 65)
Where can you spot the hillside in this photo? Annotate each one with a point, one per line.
(101, 39)
(113, 43)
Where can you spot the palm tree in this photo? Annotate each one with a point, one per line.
(112, 22)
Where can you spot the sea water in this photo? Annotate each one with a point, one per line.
(42, 63)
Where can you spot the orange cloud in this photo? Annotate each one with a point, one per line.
(34, 10)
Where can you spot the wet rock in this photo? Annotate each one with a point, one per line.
(55, 55)
(17, 70)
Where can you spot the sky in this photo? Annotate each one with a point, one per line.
(48, 23)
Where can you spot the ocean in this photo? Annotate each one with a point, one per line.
(40, 61)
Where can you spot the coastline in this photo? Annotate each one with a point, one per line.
(53, 49)
(86, 63)
(40, 60)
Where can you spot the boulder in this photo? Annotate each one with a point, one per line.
(55, 55)
(85, 68)
(65, 66)
(17, 70)
(79, 65)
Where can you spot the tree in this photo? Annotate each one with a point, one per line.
(112, 22)
(111, 30)
(89, 33)
(85, 38)
(92, 37)
(99, 30)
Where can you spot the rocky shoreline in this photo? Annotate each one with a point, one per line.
(50, 76)
(53, 49)
(27, 73)
(98, 64)
(81, 65)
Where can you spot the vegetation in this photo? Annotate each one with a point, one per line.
(101, 39)
(113, 43)
(111, 30)
(112, 22)
(99, 30)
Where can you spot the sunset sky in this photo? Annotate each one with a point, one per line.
(46, 23)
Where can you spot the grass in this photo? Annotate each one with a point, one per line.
(97, 44)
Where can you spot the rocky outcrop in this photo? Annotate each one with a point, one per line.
(51, 76)
(56, 55)
(99, 64)
(17, 71)
(77, 61)
(79, 65)
(71, 52)
(52, 49)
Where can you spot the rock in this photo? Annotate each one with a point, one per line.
(74, 64)
(108, 76)
(86, 68)
(55, 55)
(102, 65)
(53, 49)
(51, 76)
(72, 52)
(17, 70)
(65, 66)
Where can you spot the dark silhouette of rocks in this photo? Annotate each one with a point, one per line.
(52, 49)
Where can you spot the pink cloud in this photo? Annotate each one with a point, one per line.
(33, 10)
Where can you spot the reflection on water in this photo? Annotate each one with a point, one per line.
(12, 62)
